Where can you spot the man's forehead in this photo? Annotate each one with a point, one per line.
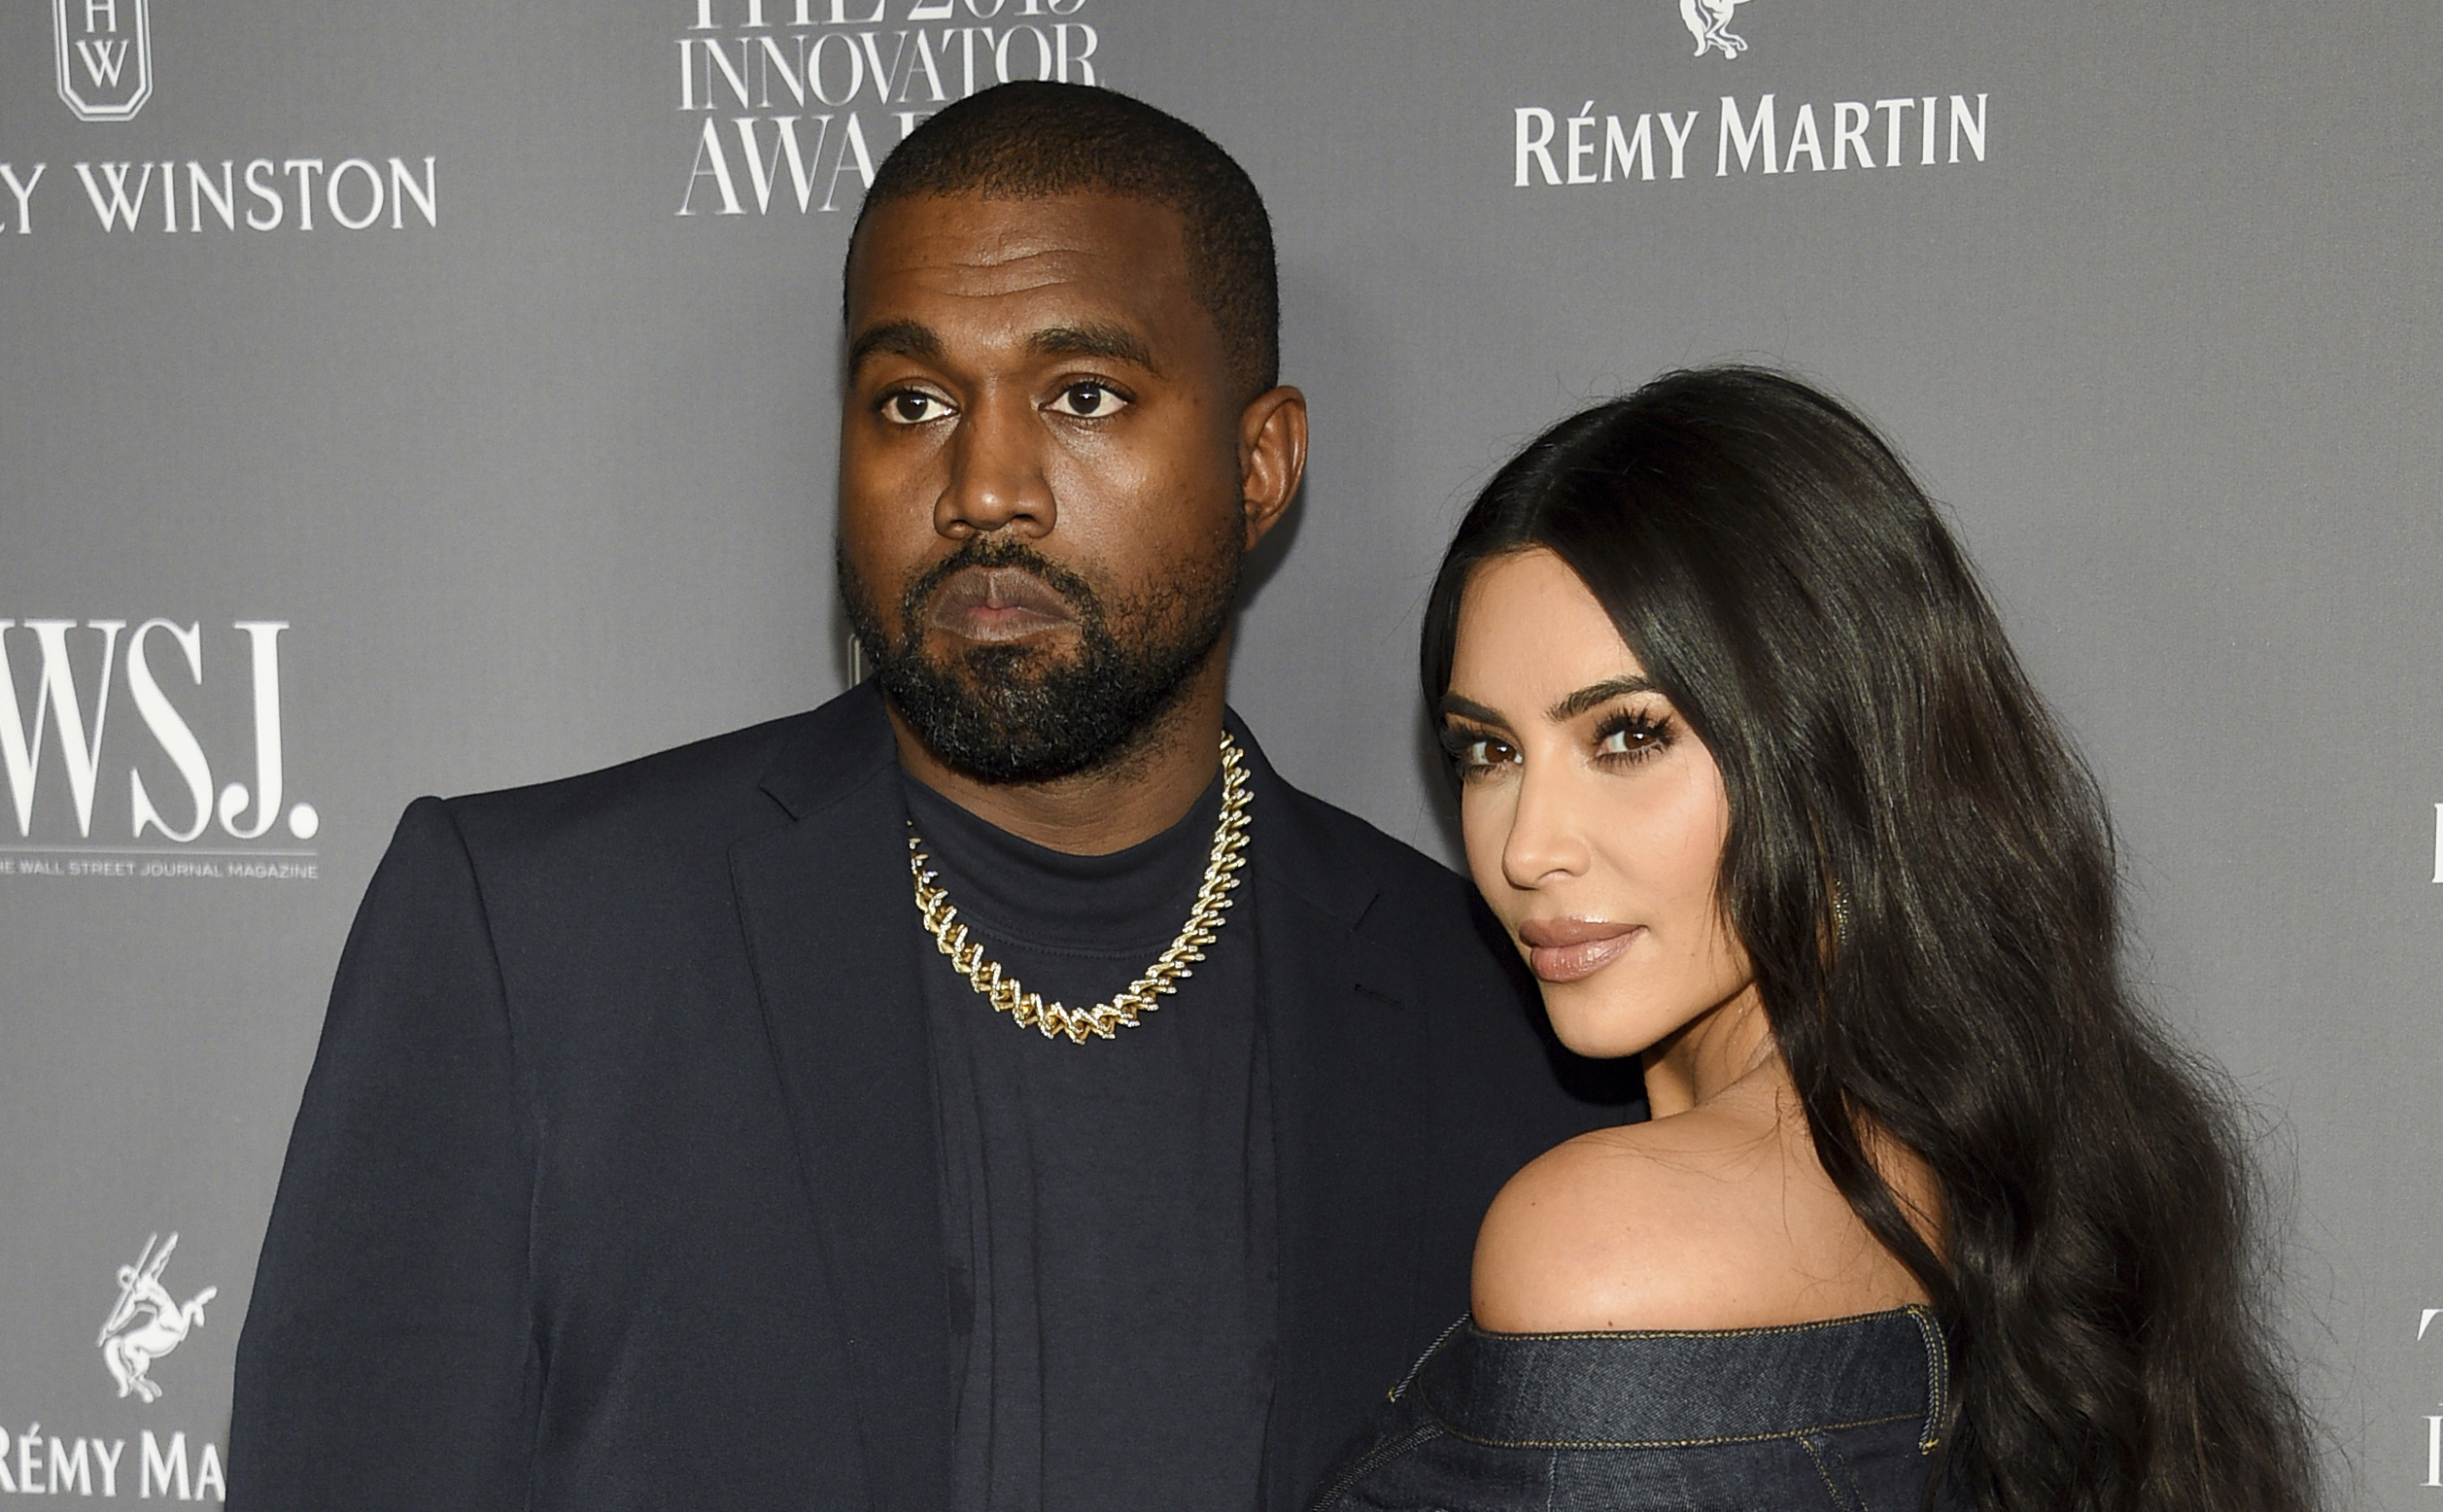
(1117, 340)
(971, 246)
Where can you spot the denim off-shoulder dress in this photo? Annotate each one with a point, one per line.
(1840, 1415)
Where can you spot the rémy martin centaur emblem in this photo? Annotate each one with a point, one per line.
(148, 1322)
(1709, 22)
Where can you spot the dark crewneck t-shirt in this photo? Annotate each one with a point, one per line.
(1109, 1206)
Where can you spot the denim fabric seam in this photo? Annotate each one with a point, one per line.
(1938, 1379)
(1663, 1443)
(1440, 1339)
(1842, 1501)
(1918, 1311)
(1375, 1459)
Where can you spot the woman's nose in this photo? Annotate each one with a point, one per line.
(1546, 843)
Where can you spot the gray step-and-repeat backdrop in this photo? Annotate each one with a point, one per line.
(438, 395)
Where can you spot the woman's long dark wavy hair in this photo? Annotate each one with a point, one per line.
(1898, 789)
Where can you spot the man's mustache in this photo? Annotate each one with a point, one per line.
(1075, 594)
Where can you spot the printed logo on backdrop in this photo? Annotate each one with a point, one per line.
(105, 69)
(1764, 135)
(190, 711)
(145, 1323)
(102, 57)
(2435, 1422)
(792, 102)
(1709, 22)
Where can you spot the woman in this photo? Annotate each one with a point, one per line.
(1928, 1214)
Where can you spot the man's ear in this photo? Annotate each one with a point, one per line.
(1271, 457)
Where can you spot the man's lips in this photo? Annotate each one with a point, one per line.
(1565, 949)
(996, 605)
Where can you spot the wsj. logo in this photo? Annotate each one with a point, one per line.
(130, 1346)
(1709, 22)
(2434, 1424)
(60, 704)
(104, 49)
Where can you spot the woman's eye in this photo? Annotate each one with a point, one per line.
(1474, 755)
(912, 408)
(1631, 737)
(1088, 400)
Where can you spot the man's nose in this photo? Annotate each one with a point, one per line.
(996, 479)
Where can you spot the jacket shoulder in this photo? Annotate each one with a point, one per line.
(691, 800)
(709, 792)
(667, 786)
(1464, 973)
(1404, 876)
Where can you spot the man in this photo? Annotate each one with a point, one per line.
(994, 1090)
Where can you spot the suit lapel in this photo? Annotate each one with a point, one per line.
(831, 934)
(1347, 1068)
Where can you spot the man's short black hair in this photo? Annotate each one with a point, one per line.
(1030, 140)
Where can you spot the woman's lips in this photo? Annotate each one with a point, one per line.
(1567, 949)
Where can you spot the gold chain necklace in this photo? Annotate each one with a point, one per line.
(1213, 901)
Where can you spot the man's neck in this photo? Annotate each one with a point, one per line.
(1111, 808)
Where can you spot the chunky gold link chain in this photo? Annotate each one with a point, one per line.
(1142, 996)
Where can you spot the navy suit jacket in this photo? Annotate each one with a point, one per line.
(614, 1183)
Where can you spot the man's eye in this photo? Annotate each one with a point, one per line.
(912, 408)
(1088, 400)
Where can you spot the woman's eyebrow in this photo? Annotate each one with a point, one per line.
(1468, 708)
(1594, 695)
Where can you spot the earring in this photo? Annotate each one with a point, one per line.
(1841, 915)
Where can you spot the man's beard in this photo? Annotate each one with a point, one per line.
(1013, 713)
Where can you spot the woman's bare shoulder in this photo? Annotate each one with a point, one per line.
(1706, 1219)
